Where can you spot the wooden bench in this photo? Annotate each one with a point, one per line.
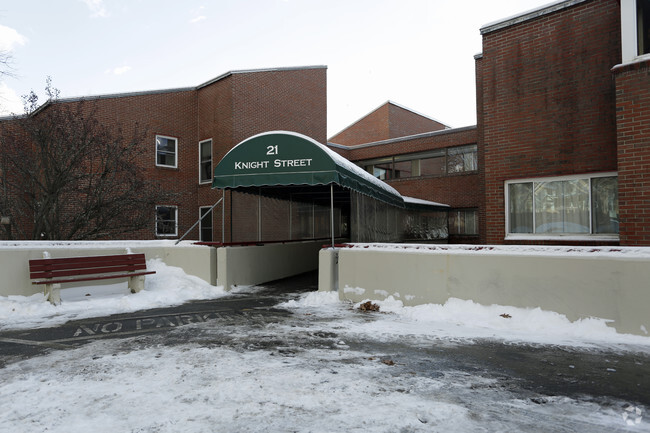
(53, 272)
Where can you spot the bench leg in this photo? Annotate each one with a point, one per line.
(53, 293)
(136, 283)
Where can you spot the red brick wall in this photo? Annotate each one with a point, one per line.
(633, 121)
(372, 127)
(458, 190)
(386, 122)
(171, 114)
(215, 122)
(227, 111)
(290, 100)
(482, 214)
(403, 122)
(547, 100)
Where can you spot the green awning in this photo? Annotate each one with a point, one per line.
(287, 158)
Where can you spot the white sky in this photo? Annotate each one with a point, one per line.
(418, 53)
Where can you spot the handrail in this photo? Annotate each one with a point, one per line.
(198, 221)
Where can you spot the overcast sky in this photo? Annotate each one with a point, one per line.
(418, 53)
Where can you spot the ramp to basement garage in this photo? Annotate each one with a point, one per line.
(290, 195)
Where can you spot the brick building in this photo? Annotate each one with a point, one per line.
(439, 165)
(191, 129)
(562, 138)
(560, 153)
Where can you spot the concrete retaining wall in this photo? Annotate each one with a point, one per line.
(611, 284)
(14, 256)
(250, 265)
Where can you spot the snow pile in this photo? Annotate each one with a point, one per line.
(313, 299)
(168, 286)
(467, 320)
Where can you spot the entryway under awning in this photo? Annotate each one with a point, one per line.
(291, 181)
(291, 194)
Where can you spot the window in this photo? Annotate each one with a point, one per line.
(205, 213)
(643, 26)
(635, 29)
(166, 151)
(557, 206)
(461, 159)
(205, 161)
(463, 222)
(380, 168)
(166, 220)
(435, 163)
(403, 168)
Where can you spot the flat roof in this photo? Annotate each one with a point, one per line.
(529, 15)
(170, 90)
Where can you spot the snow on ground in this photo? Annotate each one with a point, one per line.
(167, 287)
(467, 320)
(106, 387)
(142, 384)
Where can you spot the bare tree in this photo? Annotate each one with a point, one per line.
(6, 68)
(65, 175)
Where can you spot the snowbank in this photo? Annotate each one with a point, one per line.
(467, 320)
(169, 286)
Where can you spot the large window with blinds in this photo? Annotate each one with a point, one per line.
(575, 205)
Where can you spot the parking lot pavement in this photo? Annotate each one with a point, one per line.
(243, 322)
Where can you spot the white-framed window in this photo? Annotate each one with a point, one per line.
(166, 151)
(635, 29)
(205, 226)
(205, 161)
(166, 220)
(583, 206)
(463, 222)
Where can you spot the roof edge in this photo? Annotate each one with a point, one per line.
(405, 138)
(419, 114)
(386, 103)
(161, 91)
(251, 71)
(529, 15)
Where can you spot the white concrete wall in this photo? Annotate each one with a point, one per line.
(328, 269)
(14, 259)
(611, 284)
(250, 265)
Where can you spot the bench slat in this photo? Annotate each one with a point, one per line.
(50, 268)
(57, 273)
(90, 258)
(89, 265)
(88, 261)
(101, 277)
